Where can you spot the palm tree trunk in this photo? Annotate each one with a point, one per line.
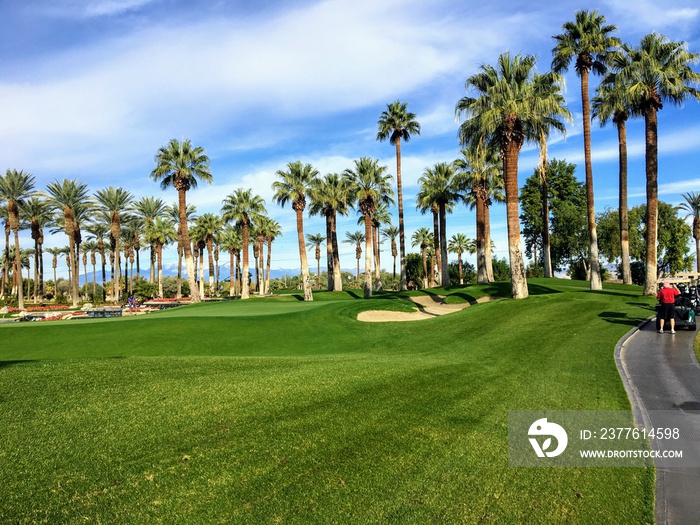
(517, 265)
(623, 211)
(210, 254)
(18, 263)
(245, 291)
(594, 260)
(378, 286)
(443, 246)
(481, 271)
(231, 273)
(160, 270)
(180, 253)
(330, 260)
(426, 283)
(459, 264)
(187, 247)
(652, 170)
(269, 265)
(337, 275)
(201, 272)
(402, 236)
(308, 294)
(436, 249)
(368, 256)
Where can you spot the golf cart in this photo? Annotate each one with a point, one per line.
(687, 304)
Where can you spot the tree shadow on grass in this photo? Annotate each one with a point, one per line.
(9, 363)
(620, 318)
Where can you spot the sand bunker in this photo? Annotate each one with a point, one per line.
(429, 307)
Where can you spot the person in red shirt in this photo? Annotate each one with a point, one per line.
(667, 297)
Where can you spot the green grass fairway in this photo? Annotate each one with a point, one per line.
(277, 411)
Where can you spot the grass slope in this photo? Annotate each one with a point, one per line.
(274, 410)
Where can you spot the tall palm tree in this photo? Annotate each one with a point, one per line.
(588, 41)
(232, 241)
(210, 225)
(368, 186)
(181, 165)
(657, 71)
(356, 239)
(481, 182)
(548, 85)
(5, 262)
(242, 207)
(390, 233)
(692, 206)
(90, 247)
(293, 187)
(315, 240)
(98, 230)
(612, 102)
(329, 197)
(438, 186)
(396, 123)
(114, 204)
(380, 216)
(422, 238)
(270, 230)
(162, 232)
(506, 112)
(15, 188)
(70, 198)
(37, 211)
(172, 212)
(55, 253)
(460, 243)
(146, 209)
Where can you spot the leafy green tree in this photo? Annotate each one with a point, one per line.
(657, 71)
(181, 165)
(587, 41)
(692, 206)
(396, 123)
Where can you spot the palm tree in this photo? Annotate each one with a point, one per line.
(210, 225)
(315, 241)
(15, 188)
(38, 213)
(612, 102)
(242, 208)
(329, 196)
(173, 213)
(506, 113)
(657, 71)
(91, 247)
(460, 243)
(438, 187)
(5, 262)
(162, 232)
(98, 231)
(390, 233)
(692, 206)
(481, 182)
(357, 239)
(146, 210)
(380, 216)
(70, 198)
(293, 187)
(368, 186)
(181, 165)
(548, 85)
(231, 241)
(270, 230)
(423, 238)
(397, 124)
(114, 204)
(55, 252)
(587, 41)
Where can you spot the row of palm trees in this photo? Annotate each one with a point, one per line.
(509, 104)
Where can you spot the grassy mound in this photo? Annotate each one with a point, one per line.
(275, 410)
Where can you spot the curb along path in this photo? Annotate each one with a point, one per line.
(660, 373)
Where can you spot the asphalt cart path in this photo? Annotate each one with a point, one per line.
(661, 373)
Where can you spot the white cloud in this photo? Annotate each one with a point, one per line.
(113, 7)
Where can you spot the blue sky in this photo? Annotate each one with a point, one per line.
(90, 89)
